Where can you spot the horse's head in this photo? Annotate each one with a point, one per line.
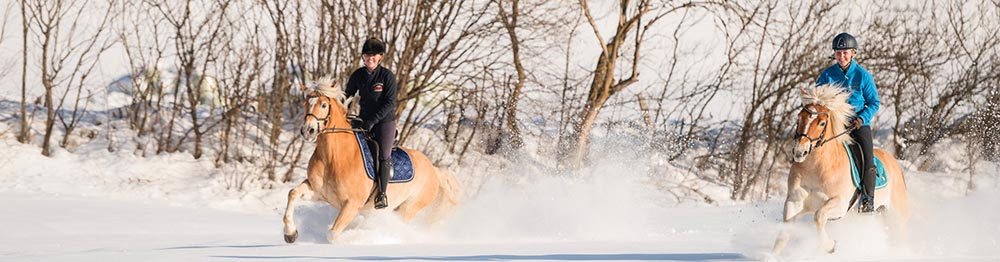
(823, 116)
(324, 108)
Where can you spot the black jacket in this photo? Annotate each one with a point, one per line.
(378, 94)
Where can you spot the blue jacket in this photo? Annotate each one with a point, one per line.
(863, 97)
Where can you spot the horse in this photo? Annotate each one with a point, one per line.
(819, 179)
(336, 173)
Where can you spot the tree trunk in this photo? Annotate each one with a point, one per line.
(600, 91)
(510, 24)
(23, 136)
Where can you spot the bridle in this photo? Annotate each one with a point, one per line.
(818, 141)
(326, 119)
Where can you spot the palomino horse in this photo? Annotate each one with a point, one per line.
(336, 173)
(820, 177)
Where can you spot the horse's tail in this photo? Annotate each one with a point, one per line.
(448, 198)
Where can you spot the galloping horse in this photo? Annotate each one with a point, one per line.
(336, 173)
(820, 177)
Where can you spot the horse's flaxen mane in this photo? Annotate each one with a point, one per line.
(327, 87)
(833, 98)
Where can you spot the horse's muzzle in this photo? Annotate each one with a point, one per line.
(309, 132)
(800, 152)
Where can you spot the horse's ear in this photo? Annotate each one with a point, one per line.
(303, 87)
(802, 91)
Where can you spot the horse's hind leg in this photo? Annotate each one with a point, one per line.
(347, 213)
(302, 191)
(411, 207)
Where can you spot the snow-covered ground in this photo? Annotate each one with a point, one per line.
(92, 205)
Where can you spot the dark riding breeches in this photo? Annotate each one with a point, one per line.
(863, 136)
(385, 134)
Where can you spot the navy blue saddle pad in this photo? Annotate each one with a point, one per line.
(402, 165)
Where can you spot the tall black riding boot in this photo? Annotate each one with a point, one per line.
(867, 204)
(384, 173)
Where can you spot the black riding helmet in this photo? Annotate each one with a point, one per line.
(373, 46)
(844, 41)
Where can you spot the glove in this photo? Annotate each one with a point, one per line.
(358, 124)
(368, 125)
(856, 123)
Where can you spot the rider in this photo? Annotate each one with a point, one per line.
(377, 87)
(864, 97)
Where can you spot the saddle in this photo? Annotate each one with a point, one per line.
(854, 153)
(402, 164)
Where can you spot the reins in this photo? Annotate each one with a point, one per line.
(340, 129)
(836, 136)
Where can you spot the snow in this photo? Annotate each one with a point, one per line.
(94, 205)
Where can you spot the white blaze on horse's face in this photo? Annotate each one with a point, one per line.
(809, 131)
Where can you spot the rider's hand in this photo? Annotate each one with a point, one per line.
(357, 124)
(368, 125)
(856, 123)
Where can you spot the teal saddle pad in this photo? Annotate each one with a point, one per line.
(880, 179)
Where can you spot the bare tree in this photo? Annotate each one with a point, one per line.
(675, 129)
(973, 38)
(509, 20)
(195, 42)
(145, 43)
(772, 104)
(434, 41)
(64, 59)
(905, 59)
(241, 68)
(8, 12)
(605, 82)
(23, 135)
(87, 59)
(277, 94)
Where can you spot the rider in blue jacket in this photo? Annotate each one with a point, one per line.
(864, 97)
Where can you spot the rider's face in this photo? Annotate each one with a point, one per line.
(371, 60)
(844, 57)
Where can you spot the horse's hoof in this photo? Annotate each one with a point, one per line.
(291, 238)
(832, 248)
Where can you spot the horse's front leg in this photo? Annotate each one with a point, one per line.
(794, 207)
(833, 208)
(302, 191)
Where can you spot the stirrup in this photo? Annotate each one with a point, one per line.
(380, 201)
(866, 205)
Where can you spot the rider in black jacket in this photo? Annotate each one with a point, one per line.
(377, 87)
